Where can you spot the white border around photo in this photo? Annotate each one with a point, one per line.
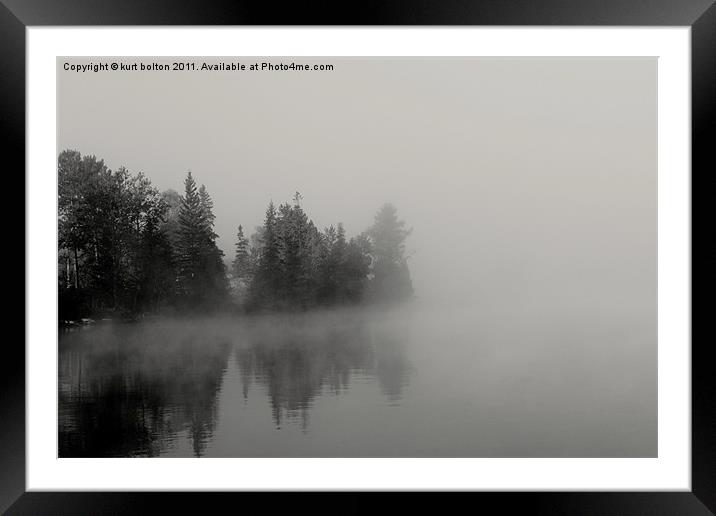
(671, 470)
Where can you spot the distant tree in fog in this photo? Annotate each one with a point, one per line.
(241, 266)
(391, 276)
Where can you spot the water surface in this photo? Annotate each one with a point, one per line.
(409, 382)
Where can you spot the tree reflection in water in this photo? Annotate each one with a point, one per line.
(297, 359)
(131, 390)
(128, 390)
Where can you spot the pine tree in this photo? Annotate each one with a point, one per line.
(293, 231)
(191, 239)
(391, 276)
(156, 263)
(327, 285)
(242, 260)
(267, 277)
(355, 268)
(214, 285)
(207, 213)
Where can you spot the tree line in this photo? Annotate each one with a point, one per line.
(126, 248)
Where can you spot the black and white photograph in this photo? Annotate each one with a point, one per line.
(357, 257)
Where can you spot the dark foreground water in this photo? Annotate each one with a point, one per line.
(405, 383)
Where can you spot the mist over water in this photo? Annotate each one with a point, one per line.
(412, 381)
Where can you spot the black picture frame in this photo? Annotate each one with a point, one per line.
(700, 15)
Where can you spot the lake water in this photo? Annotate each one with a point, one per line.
(409, 382)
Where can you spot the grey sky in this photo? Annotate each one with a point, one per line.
(527, 179)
